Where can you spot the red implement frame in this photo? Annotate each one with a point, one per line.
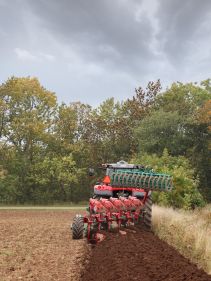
(104, 212)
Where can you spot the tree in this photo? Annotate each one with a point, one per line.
(26, 118)
(142, 101)
(201, 155)
(26, 113)
(183, 98)
(56, 176)
(174, 123)
(105, 133)
(45, 148)
(204, 115)
(162, 130)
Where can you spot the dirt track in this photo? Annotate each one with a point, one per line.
(37, 246)
(139, 256)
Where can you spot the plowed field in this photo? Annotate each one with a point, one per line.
(36, 245)
(139, 255)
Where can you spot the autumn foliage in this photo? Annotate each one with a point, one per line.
(47, 147)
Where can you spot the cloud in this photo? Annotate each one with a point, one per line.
(181, 26)
(47, 57)
(91, 50)
(100, 30)
(26, 55)
(3, 2)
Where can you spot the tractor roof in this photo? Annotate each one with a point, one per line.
(122, 165)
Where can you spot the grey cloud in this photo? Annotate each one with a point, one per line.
(11, 24)
(180, 23)
(89, 50)
(94, 27)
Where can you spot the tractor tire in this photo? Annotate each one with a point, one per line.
(78, 228)
(148, 212)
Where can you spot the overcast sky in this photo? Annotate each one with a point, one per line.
(90, 50)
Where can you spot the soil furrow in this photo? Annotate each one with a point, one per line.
(37, 246)
(139, 256)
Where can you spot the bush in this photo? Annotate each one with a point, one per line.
(8, 192)
(185, 193)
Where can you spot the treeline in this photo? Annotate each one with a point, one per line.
(47, 147)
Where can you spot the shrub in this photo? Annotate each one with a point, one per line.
(185, 193)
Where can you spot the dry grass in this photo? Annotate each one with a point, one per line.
(187, 231)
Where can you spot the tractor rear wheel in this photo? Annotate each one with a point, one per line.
(78, 228)
(148, 212)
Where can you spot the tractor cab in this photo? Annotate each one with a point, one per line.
(109, 188)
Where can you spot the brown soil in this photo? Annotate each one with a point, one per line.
(139, 255)
(37, 245)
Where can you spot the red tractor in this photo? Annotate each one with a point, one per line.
(122, 198)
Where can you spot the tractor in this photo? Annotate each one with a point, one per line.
(122, 198)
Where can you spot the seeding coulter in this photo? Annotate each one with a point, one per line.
(123, 198)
